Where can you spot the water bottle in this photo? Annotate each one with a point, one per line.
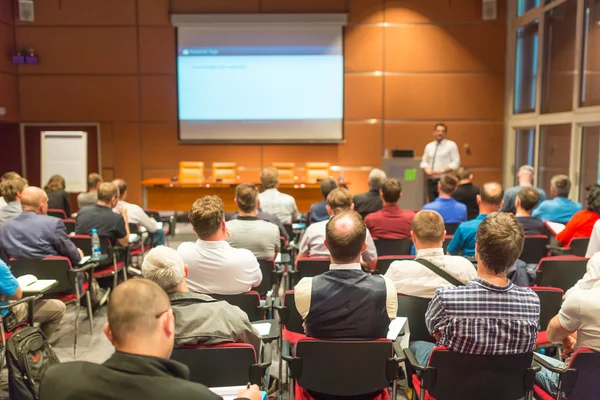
(96, 252)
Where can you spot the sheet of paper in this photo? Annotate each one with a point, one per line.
(133, 238)
(84, 259)
(159, 225)
(262, 328)
(39, 286)
(26, 280)
(397, 326)
(555, 227)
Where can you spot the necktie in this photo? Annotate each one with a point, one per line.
(437, 145)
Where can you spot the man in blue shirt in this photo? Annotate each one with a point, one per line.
(560, 208)
(489, 200)
(452, 211)
(318, 212)
(525, 177)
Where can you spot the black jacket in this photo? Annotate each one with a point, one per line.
(467, 194)
(123, 376)
(367, 203)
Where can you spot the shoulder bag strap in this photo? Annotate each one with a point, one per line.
(438, 271)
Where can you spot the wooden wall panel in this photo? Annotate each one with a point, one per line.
(8, 97)
(362, 144)
(78, 98)
(10, 139)
(107, 145)
(127, 157)
(365, 11)
(303, 6)
(299, 154)
(6, 12)
(83, 12)
(447, 97)
(212, 6)
(363, 96)
(81, 50)
(363, 48)
(159, 98)
(157, 50)
(436, 11)
(154, 12)
(483, 175)
(7, 48)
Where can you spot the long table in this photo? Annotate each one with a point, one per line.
(164, 194)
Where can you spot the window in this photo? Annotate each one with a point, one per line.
(525, 148)
(590, 159)
(526, 59)
(559, 58)
(590, 74)
(554, 150)
(526, 5)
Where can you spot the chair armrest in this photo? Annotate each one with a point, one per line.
(400, 356)
(267, 356)
(412, 360)
(286, 351)
(85, 268)
(23, 300)
(544, 363)
(559, 250)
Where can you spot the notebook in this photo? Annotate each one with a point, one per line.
(29, 283)
(262, 328)
(554, 227)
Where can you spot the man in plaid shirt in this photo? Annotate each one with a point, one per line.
(490, 315)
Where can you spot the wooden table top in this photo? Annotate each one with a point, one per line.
(165, 182)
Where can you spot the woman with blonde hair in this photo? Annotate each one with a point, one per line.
(58, 198)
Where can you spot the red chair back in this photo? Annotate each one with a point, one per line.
(54, 267)
(579, 246)
(550, 302)
(587, 364)
(561, 272)
(312, 266)
(384, 262)
(393, 247)
(69, 225)
(248, 302)
(534, 248)
(57, 213)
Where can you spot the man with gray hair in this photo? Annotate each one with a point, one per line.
(370, 202)
(525, 177)
(560, 208)
(199, 318)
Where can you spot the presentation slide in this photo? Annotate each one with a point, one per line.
(260, 85)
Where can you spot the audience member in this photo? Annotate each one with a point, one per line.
(391, 222)
(249, 232)
(137, 215)
(525, 177)
(11, 190)
(369, 202)
(33, 234)
(263, 216)
(197, 316)
(594, 244)
(215, 266)
(282, 205)
(575, 327)
(101, 217)
(5, 176)
(462, 318)
(560, 208)
(526, 201)
(363, 304)
(413, 278)
(313, 244)
(489, 200)
(440, 156)
(90, 197)
(58, 198)
(583, 221)
(141, 327)
(451, 210)
(466, 193)
(318, 212)
(590, 278)
(47, 312)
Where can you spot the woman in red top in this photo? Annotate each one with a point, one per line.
(583, 221)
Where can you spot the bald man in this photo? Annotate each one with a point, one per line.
(141, 327)
(346, 302)
(33, 234)
(489, 200)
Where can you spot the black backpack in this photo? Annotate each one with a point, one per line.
(28, 356)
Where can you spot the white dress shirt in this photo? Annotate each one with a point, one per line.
(592, 274)
(137, 215)
(216, 267)
(312, 243)
(3, 203)
(303, 292)
(413, 279)
(282, 205)
(447, 156)
(594, 244)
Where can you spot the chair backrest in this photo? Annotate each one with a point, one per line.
(153, 214)
(534, 248)
(220, 365)
(248, 302)
(312, 266)
(587, 364)
(57, 213)
(135, 229)
(69, 225)
(561, 271)
(224, 171)
(84, 242)
(384, 262)
(294, 320)
(267, 266)
(289, 228)
(451, 228)
(316, 171)
(393, 247)
(414, 309)
(550, 302)
(453, 376)
(447, 241)
(191, 171)
(287, 171)
(344, 367)
(48, 268)
(579, 246)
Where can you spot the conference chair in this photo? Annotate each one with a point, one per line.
(224, 172)
(191, 171)
(561, 271)
(452, 376)
(578, 380)
(139, 246)
(578, 246)
(309, 266)
(271, 277)
(231, 364)
(414, 308)
(393, 247)
(550, 302)
(68, 289)
(69, 225)
(287, 171)
(84, 242)
(534, 248)
(168, 221)
(451, 228)
(248, 302)
(342, 367)
(291, 328)
(57, 213)
(384, 262)
(316, 171)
